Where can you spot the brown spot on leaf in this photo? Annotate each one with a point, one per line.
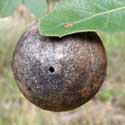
(68, 25)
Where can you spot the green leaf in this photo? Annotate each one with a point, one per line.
(7, 7)
(71, 16)
(36, 7)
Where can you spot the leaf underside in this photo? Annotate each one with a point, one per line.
(72, 16)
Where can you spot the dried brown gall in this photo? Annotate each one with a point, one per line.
(59, 74)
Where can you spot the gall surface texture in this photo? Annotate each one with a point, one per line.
(59, 74)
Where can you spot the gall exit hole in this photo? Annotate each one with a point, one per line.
(51, 69)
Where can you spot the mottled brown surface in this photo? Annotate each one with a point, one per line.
(59, 74)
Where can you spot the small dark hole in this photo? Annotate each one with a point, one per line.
(29, 89)
(51, 69)
(92, 86)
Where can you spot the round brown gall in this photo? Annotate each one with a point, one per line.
(59, 74)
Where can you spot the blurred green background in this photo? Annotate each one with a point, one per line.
(106, 108)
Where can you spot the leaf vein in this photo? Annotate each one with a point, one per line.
(88, 18)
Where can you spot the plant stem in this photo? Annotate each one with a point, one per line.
(51, 4)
